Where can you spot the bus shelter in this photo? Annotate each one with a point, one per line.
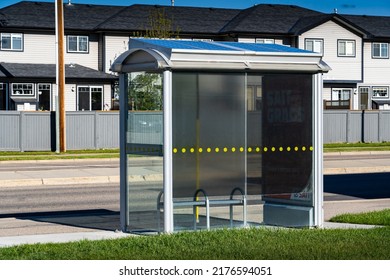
(219, 134)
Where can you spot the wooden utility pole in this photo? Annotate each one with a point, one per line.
(61, 75)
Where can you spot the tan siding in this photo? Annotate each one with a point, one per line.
(41, 49)
(343, 68)
(376, 71)
(37, 49)
(107, 95)
(114, 46)
(70, 97)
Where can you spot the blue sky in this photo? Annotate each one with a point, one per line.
(361, 7)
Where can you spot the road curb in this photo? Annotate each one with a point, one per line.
(79, 180)
(356, 170)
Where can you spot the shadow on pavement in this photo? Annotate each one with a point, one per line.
(99, 219)
(367, 185)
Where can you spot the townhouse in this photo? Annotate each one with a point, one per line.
(355, 47)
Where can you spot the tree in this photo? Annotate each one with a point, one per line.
(159, 26)
(145, 88)
(145, 92)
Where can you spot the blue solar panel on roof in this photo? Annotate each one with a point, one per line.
(190, 45)
(264, 47)
(221, 46)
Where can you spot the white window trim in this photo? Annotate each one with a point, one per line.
(90, 96)
(314, 40)
(380, 87)
(346, 41)
(264, 41)
(23, 95)
(78, 41)
(380, 50)
(11, 36)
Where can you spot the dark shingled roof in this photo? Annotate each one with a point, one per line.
(377, 26)
(31, 70)
(268, 19)
(259, 19)
(41, 15)
(184, 19)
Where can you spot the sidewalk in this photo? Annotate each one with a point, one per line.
(66, 229)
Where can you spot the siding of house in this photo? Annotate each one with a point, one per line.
(114, 46)
(90, 59)
(376, 70)
(343, 68)
(38, 48)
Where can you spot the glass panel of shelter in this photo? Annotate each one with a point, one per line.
(144, 141)
(238, 141)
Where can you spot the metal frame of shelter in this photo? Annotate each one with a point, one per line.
(236, 61)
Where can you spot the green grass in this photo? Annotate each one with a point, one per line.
(370, 218)
(114, 153)
(244, 244)
(352, 147)
(45, 155)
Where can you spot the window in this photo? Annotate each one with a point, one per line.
(23, 90)
(11, 41)
(340, 99)
(364, 93)
(3, 97)
(90, 98)
(78, 44)
(380, 50)
(346, 48)
(44, 93)
(314, 45)
(380, 92)
(265, 41)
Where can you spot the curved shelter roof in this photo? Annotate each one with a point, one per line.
(154, 54)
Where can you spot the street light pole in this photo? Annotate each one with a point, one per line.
(60, 72)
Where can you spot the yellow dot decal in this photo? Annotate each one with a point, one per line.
(241, 149)
(257, 149)
(174, 150)
(303, 148)
(183, 150)
(250, 149)
(280, 149)
(225, 149)
(265, 149)
(311, 148)
(296, 149)
(208, 150)
(288, 149)
(217, 150)
(200, 150)
(273, 149)
(192, 150)
(233, 149)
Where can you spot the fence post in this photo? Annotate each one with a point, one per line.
(380, 119)
(21, 129)
(96, 125)
(348, 128)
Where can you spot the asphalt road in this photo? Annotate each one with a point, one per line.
(19, 201)
(98, 197)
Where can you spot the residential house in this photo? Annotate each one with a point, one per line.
(355, 47)
(28, 57)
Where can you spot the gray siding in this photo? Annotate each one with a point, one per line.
(9, 131)
(35, 131)
(343, 126)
